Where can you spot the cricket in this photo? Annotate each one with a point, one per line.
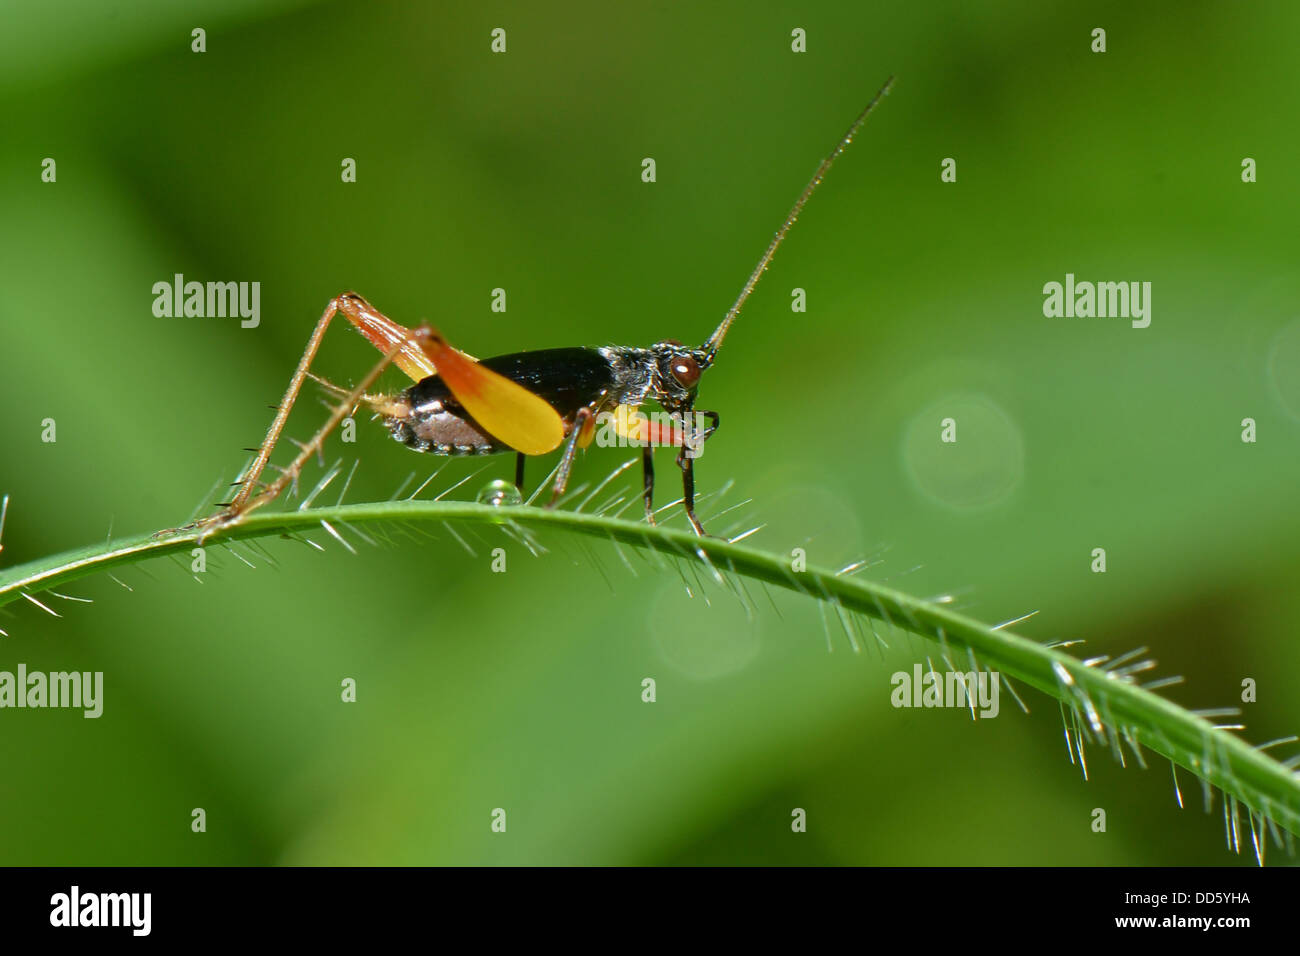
(526, 403)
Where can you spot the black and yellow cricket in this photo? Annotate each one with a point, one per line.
(529, 403)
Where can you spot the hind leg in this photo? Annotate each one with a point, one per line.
(402, 347)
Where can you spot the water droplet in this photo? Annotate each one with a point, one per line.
(498, 493)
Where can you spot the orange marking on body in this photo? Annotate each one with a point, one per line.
(664, 434)
(588, 432)
(385, 334)
(635, 425)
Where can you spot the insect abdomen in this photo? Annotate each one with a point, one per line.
(435, 428)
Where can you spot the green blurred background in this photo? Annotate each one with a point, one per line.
(522, 171)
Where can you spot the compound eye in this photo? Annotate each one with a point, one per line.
(686, 370)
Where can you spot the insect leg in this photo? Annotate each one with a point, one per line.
(715, 420)
(687, 463)
(519, 471)
(310, 448)
(570, 450)
(248, 480)
(648, 471)
(384, 333)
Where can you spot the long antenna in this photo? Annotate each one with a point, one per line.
(715, 340)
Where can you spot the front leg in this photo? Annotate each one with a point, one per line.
(686, 463)
(691, 440)
(580, 422)
(648, 481)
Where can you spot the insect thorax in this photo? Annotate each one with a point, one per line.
(632, 371)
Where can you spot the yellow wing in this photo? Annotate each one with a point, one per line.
(508, 411)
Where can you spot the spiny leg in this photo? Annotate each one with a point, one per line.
(648, 482)
(311, 447)
(687, 463)
(249, 479)
(580, 420)
(715, 420)
(381, 331)
(691, 441)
